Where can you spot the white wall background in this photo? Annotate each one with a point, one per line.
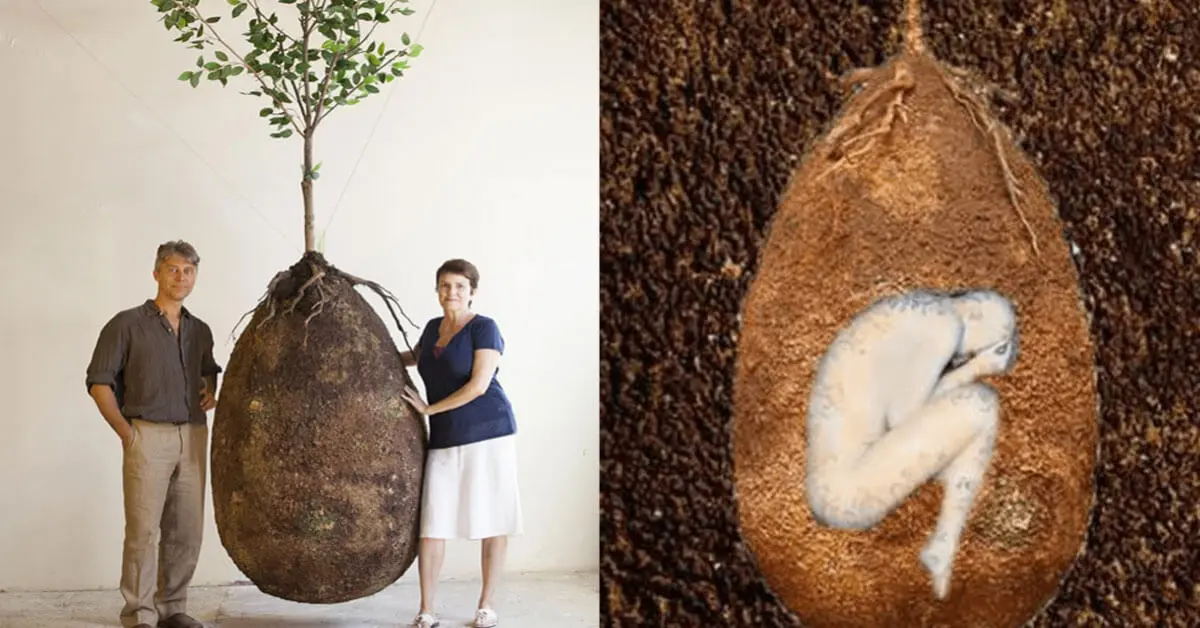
(486, 150)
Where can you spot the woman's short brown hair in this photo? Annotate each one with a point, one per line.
(459, 267)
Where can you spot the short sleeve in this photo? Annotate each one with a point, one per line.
(209, 366)
(108, 357)
(486, 335)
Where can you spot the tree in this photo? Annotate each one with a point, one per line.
(328, 63)
(317, 459)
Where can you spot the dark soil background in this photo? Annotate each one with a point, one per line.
(707, 108)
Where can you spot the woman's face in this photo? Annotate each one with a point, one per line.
(454, 292)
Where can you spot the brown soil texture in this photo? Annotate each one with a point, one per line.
(707, 109)
(317, 460)
(923, 205)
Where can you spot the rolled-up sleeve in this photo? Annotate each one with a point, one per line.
(108, 357)
(208, 365)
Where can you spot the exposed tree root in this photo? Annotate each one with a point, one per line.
(988, 126)
(389, 300)
(320, 272)
(316, 278)
(869, 122)
(264, 299)
(320, 307)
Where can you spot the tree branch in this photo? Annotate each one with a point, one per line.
(325, 88)
(329, 70)
(263, 16)
(257, 75)
(310, 117)
(366, 38)
(385, 61)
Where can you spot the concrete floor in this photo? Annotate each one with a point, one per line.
(524, 600)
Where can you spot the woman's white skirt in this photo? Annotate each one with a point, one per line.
(471, 491)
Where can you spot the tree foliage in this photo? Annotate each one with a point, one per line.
(328, 60)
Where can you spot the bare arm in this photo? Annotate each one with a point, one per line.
(486, 363)
(992, 360)
(106, 401)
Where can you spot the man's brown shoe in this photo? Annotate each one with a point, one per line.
(179, 620)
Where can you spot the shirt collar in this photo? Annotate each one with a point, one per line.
(149, 308)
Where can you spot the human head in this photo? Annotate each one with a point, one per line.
(456, 281)
(175, 266)
(989, 323)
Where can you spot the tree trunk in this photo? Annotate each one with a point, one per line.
(306, 191)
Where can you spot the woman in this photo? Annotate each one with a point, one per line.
(470, 486)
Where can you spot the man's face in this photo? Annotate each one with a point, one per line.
(175, 276)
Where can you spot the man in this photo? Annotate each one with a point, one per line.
(153, 377)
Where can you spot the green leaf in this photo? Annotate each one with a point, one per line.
(371, 88)
(265, 111)
(200, 61)
(195, 79)
(186, 76)
(221, 56)
(211, 65)
(404, 38)
(213, 20)
(239, 9)
(415, 51)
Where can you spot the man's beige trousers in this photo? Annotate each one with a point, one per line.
(164, 479)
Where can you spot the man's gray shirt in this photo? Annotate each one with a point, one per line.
(154, 373)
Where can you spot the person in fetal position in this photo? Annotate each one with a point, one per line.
(896, 402)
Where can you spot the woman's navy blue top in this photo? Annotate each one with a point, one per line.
(487, 416)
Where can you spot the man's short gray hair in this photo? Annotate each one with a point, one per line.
(176, 247)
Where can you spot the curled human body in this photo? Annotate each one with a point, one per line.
(897, 402)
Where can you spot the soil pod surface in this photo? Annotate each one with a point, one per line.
(917, 187)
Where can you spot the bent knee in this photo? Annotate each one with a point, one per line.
(836, 504)
(979, 401)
